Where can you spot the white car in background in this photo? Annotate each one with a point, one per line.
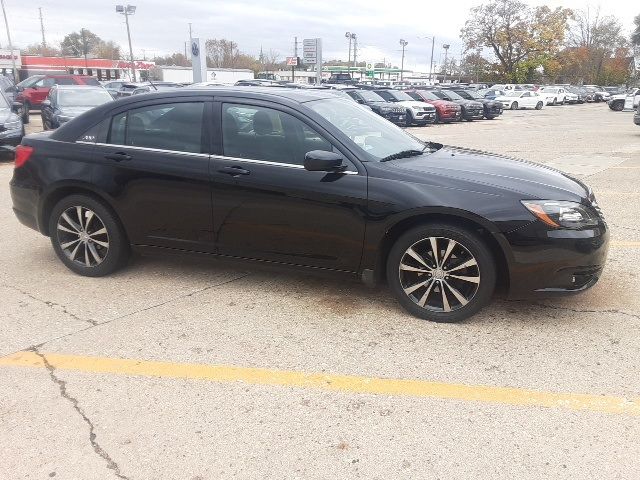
(625, 101)
(517, 99)
(554, 95)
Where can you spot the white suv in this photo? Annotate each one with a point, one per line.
(553, 95)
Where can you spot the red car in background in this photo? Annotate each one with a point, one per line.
(32, 91)
(446, 111)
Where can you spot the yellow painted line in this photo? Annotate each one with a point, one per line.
(330, 382)
(624, 244)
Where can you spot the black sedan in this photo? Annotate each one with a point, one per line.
(11, 127)
(491, 108)
(65, 102)
(471, 109)
(392, 112)
(307, 179)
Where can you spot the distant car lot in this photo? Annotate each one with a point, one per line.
(249, 351)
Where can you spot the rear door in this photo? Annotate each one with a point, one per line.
(154, 164)
(267, 206)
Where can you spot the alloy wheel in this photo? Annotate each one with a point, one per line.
(82, 236)
(439, 274)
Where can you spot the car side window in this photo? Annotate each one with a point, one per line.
(171, 126)
(64, 81)
(261, 133)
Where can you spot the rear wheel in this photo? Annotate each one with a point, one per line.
(87, 236)
(441, 273)
(24, 113)
(539, 106)
(617, 106)
(514, 106)
(555, 101)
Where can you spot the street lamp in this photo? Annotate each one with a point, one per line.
(404, 43)
(446, 51)
(126, 11)
(433, 42)
(14, 72)
(348, 35)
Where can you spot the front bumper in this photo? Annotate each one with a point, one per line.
(424, 117)
(555, 262)
(397, 118)
(11, 137)
(473, 114)
(493, 111)
(450, 115)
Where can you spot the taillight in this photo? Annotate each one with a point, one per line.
(23, 153)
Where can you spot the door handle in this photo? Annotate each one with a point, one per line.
(118, 156)
(234, 171)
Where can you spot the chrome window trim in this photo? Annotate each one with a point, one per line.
(273, 164)
(221, 157)
(146, 149)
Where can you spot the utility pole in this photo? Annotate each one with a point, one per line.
(13, 58)
(126, 11)
(44, 42)
(446, 51)
(355, 50)
(433, 41)
(295, 55)
(190, 40)
(84, 47)
(404, 43)
(185, 51)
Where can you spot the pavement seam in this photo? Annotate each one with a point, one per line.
(97, 324)
(62, 385)
(50, 304)
(578, 310)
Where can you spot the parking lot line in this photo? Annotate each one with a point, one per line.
(330, 382)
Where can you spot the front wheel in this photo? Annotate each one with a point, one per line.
(514, 106)
(441, 273)
(617, 106)
(539, 106)
(87, 236)
(555, 102)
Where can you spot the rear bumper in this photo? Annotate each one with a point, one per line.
(636, 119)
(25, 204)
(555, 262)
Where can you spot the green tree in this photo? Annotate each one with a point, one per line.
(635, 36)
(519, 36)
(80, 43)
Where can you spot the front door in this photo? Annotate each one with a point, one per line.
(267, 206)
(155, 166)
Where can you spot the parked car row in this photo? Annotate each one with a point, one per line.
(626, 100)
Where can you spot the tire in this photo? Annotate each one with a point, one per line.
(25, 112)
(44, 123)
(94, 254)
(617, 106)
(514, 106)
(434, 298)
(437, 117)
(555, 101)
(539, 106)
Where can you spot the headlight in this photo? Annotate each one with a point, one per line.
(415, 107)
(562, 214)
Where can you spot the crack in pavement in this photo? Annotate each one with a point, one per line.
(50, 304)
(97, 324)
(62, 385)
(578, 310)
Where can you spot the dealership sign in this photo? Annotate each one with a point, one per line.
(5, 58)
(311, 50)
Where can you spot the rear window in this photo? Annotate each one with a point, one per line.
(91, 81)
(64, 81)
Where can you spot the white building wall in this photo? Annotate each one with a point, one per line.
(181, 74)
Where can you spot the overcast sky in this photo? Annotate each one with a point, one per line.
(161, 26)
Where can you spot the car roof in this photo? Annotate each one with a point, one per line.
(77, 87)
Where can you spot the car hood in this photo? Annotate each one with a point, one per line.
(74, 111)
(468, 103)
(483, 169)
(414, 103)
(442, 103)
(6, 115)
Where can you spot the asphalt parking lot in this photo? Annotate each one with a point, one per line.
(179, 369)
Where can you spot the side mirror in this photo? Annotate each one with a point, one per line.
(46, 103)
(322, 161)
(16, 107)
(359, 100)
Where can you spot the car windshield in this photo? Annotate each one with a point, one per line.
(465, 94)
(427, 95)
(453, 95)
(551, 90)
(396, 95)
(370, 96)
(81, 97)
(375, 136)
(30, 81)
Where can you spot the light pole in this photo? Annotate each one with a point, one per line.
(126, 11)
(446, 51)
(433, 42)
(348, 35)
(13, 58)
(354, 37)
(404, 43)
